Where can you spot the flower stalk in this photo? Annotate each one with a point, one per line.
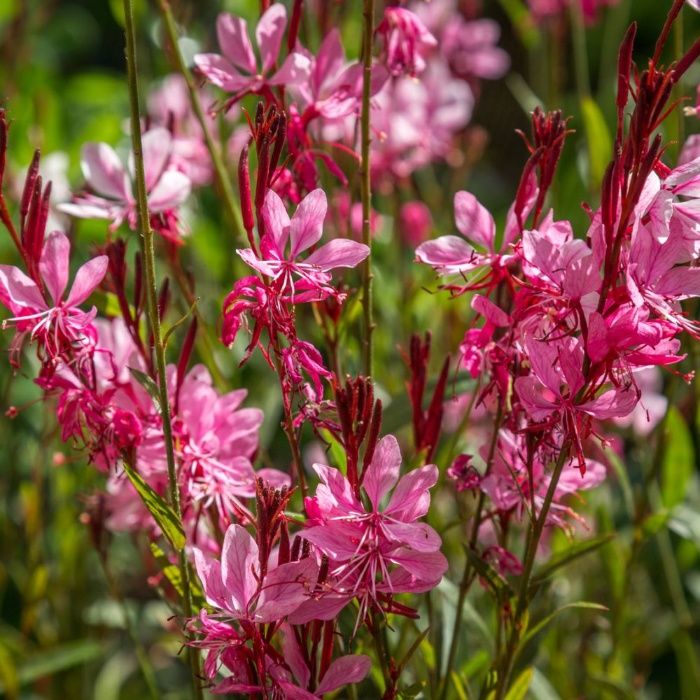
(366, 185)
(146, 241)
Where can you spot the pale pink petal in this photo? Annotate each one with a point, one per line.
(54, 264)
(448, 254)
(339, 492)
(220, 72)
(492, 313)
(87, 279)
(239, 561)
(95, 208)
(269, 34)
(426, 566)
(104, 172)
(680, 282)
(209, 572)
(19, 292)
(294, 71)
(306, 225)
(294, 692)
(277, 223)
(418, 536)
(343, 671)
(340, 252)
(285, 589)
(615, 403)
(232, 33)
(170, 192)
(326, 607)
(474, 221)
(157, 146)
(338, 541)
(248, 256)
(411, 499)
(383, 471)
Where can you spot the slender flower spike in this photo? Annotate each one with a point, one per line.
(111, 184)
(238, 71)
(56, 323)
(286, 239)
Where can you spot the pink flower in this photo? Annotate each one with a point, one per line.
(238, 71)
(56, 323)
(112, 184)
(240, 589)
(381, 549)
(300, 233)
(508, 483)
(406, 41)
(415, 223)
(451, 255)
(342, 671)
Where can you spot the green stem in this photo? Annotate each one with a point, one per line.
(523, 595)
(146, 241)
(467, 575)
(222, 177)
(366, 186)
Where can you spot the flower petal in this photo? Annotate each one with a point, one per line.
(86, 280)
(285, 589)
(18, 292)
(269, 34)
(54, 264)
(157, 145)
(340, 252)
(104, 172)
(448, 254)
(474, 221)
(218, 71)
(277, 223)
(343, 671)
(234, 42)
(306, 226)
(383, 471)
(411, 499)
(239, 561)
(172, 189)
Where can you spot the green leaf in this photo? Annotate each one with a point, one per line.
(148, 384)
(162, 513)
(581, 604)
(679, 459)
(170, 571)
(519, 689)
(459, 686)
(59, 658)
(598, 138)
(566, 556)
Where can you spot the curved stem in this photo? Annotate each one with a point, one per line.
(220, 172)
(146, 240)
(366, 186)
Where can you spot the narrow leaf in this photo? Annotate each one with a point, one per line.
(565, 557)
(584, 604)
(148, 384)
(519, 689)
(162, 513)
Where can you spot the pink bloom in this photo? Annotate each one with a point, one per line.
(463, 474)
(406, 41)
(383, 549)
(300, 233)
(342, 671)
(508, 484)
(415, 223)
(652, 406)
(691, 150)
(240, 590)
(451, 255)
(56, 323)
(112, 184)
(238, 71)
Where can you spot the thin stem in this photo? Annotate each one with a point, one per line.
(366, 186)
(222, 177)
(523, 594)
(146, 241)
(467, 575)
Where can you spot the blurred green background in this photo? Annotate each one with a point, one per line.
(62, 633)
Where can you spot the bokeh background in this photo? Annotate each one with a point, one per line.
(62, 635)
